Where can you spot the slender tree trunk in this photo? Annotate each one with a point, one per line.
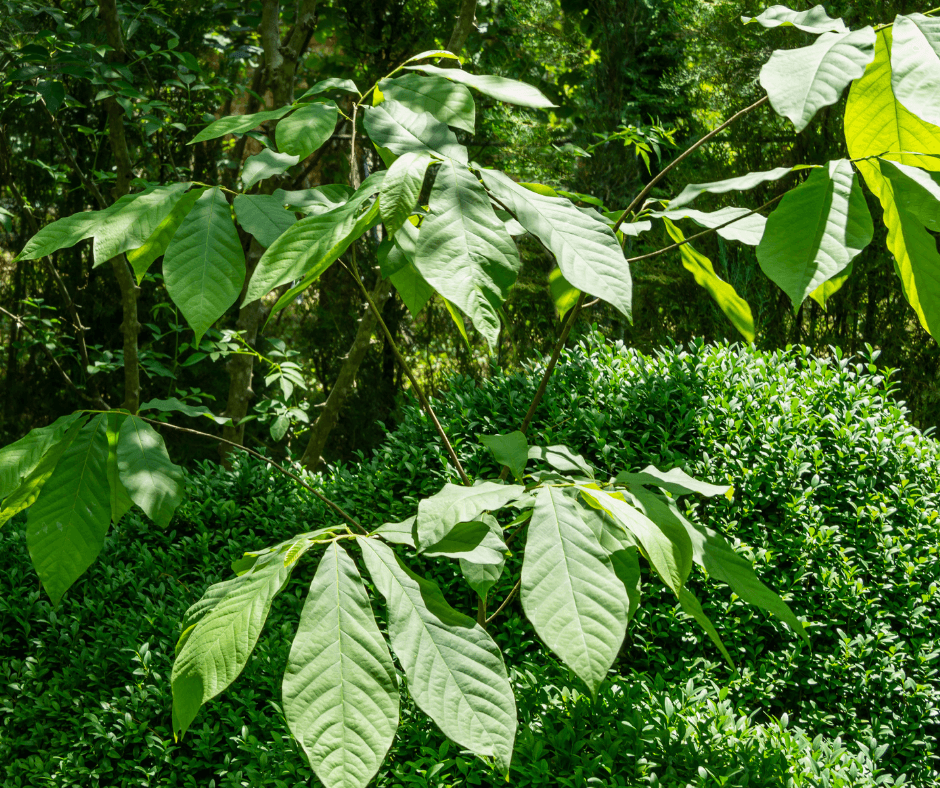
(130, 325)
(461, 31)
(280, 66)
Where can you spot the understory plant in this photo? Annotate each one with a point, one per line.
(450, 227)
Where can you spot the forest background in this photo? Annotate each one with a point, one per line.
(681, 66)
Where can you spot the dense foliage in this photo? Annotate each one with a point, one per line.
(835, 497)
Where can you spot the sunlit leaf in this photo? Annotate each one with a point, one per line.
(815, 20)
(153, 482)
(448, 101)
(394, 127)
(234, 124)
(915, 65)
(509, 90)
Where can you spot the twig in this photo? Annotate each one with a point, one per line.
(638, 200)
(96, 401)
(422, 398)
(336, 507)
(506, 601)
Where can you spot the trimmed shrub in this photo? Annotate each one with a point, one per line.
(835, 501)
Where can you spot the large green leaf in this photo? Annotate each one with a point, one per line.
(455, 671)
(830, 287)
(712, 552)
(340, 688)
(877, 124)
(401, 130)
(305, 130)
(499, 88)
(153, 482)
(156, 245)
(448, 101)
(511, 450)
(266, 164)
(66, 526)
(735, 308)
(801, 81)
(570, 591)
(175, 405)
(118, 498)
(588, 254)
(480, 542)
(815, 20)
(415, 292)
(26, 493)
(748, 227)
(564, 296)
(455, 503)
(318, 199)
(204, 265)
(464, 251)
(915, 65)
(916, 191)
(264, 216)
(561, 458)
(483, 576)
(398, 533)
(666, 546)
(215, 648)
(235, 124)
(332, 83)
(816, 231)
(675, 480)
(309, 247)
(132, 225)
(915, 250)
(20, 458)
(401, 187)
(740, 183)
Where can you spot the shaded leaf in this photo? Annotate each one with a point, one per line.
(333, 83)
(448, 101)
(481, 577)
(398, 533)
(306, 129)
(153, 482)
(21, 458)
(266, 164)
(693, 607)
(131, 226)
(454, 504)
(264, 216)
(511, 450)
(118, 498)
(561, 458)
(401, 187)
(156, 245)
(235, 124)
(393, 126)
(480, 542)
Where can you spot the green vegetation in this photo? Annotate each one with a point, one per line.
(669, 707)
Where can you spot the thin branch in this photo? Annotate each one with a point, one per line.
(638, 200)
(422, 398)
(336, 507)
(506, 601)
(96, 401)
(705, 232)
(481, 610)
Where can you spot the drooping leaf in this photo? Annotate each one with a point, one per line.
(175, 405)
(264, 216)
(398, 264)
(570, 592)
(915, 65)
(561, 458)
(714, 554)
(204, 265)
(236, 124)
(393, 126)
(915, 191)
(69, 230)
(318, 199)
(20, 458)
(401, 187)
(509, 90)
(398, 533)
(25, 495)
(333, 83)
(564, 296)
(118, 498)
(340, 688)
(801, 81)
(153, 482)
(478, 542)
(511, 450)
(455, 671)
(464, 251)
(156, 245)
(132, 225)
(830, 287)
(66, 526)
(449, 102)
(815, 20)
(916, 258)
(735, 308)
(588, 254)
(675, 480)
(666, 546)
(877, 124)
(309, 247)
(748, 229)
(306, 129)
(214, 650)
(481, 577)
(455, 503)
(266, 164)
(816, 231)
(693, 607)
(741, 183)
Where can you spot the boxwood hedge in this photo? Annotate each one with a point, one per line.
(835, 500)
